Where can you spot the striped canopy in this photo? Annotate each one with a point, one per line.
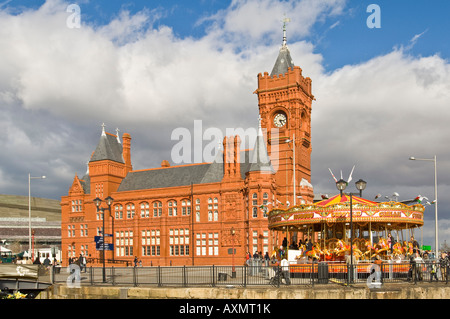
(337, 199)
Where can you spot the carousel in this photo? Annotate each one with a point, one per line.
(347, 224)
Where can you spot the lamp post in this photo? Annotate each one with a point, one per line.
(435, 198)
(29, 211)
(360, 185)
(293, 165)
(98, 202)
(233, 271)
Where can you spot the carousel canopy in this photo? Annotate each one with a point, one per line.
(338, 199)
(337, 209)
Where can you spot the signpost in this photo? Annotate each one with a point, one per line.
(100, 245)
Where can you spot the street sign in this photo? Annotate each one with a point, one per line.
(104, 246)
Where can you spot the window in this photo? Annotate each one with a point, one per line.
(179, 242)
(150, 241)
(186, 207)
(130, 210)
(207, 244)
(124, 243)
(157, 209)
(255, 205)
(145, 211)
(83, 230)
(77, 205)
(197, 210)
(99, 190)
(172, 210)
(71, 230)
(118, 209)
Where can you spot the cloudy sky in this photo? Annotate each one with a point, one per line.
(381, 81)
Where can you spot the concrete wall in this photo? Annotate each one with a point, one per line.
(409, 291)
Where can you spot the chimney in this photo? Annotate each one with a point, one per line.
(127, 152)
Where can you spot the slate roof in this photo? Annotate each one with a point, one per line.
(259, 158)
(184, 175)
(86, 183)
(283, 63)
(108, 148)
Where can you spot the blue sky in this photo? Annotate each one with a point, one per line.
(149, 67)
(343, 39)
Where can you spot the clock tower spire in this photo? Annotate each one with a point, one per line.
(285, 100)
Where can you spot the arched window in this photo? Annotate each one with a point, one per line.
(172, 208)
(145, 210)
(185, 207)
(118, 211)
(157, 209)
(130, 210)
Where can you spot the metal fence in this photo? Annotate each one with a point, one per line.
(246, 276)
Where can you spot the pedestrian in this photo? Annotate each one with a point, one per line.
(419, 263)
(443, 264)
(135, 261)
(415, 245)
(37, 261)
(82, 262)
(285, 271)
(266, 258)
(390, 242)
(433, 271)
(46, 261)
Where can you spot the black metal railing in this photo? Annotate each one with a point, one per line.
(245, 276)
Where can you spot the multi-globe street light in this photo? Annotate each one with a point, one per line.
(360, 185)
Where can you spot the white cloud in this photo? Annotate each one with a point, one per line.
(148, 81)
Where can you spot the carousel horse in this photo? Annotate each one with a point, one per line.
(407, 248)
(327, 255)
(369, 249)
(341, 248)
(356, 252)
(397, 249)
(314, 252)
(382, 247)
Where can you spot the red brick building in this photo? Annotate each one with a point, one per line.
(196, 214)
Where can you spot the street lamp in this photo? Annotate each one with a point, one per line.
(341, 185)
(293, 166)
(360, 185)
(97, 201)
(233, 271)
(29, 211)
(435, 197)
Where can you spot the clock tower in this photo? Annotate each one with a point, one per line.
(284, 100)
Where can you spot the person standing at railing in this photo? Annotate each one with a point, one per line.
(433, 271)
(443, 264)
(285, 271)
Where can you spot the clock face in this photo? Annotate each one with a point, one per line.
(279, 120)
